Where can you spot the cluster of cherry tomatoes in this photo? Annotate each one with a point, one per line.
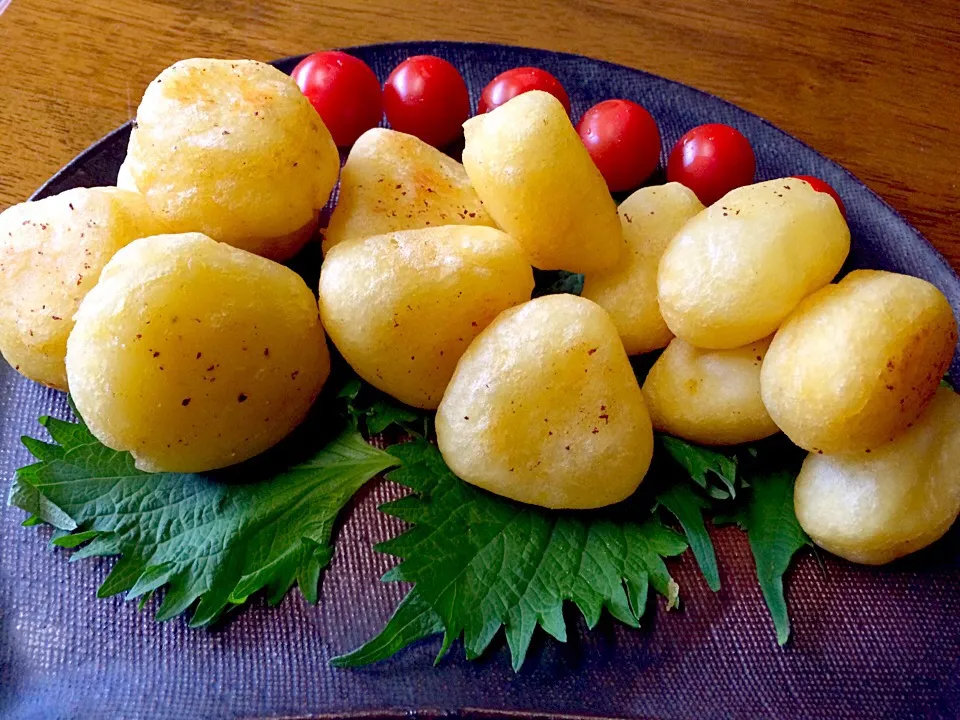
(426, 96)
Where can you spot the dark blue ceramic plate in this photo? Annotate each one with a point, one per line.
(866, 642)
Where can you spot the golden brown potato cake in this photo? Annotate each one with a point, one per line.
(709, 396)
(232, 149)
(650, 218)
(402, 307)
(124, 179)
(537, 181)
(544, 408)
(734, 272)
(857, 362)
(51, 254)
(875, 507)
(194, 355)
(394, 181)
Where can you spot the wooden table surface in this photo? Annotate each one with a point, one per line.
(870, 83)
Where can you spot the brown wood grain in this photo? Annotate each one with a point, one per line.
(870, 83)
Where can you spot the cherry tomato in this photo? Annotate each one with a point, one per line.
(426, 96)
(344, 90)
(623, 140)
(507, 85)
(824, 187)
(712, 160)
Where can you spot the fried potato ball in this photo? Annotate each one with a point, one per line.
(734, 272)
(193, 355)
(537, 181)
(124, 179)
(857, 362)
(650, 218)
(710, 397)
(875, 507)
(402, 307)
(394, 181)
(232, 149)
(544, 408)
(51, 254)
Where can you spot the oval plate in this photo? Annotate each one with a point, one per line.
(866, 642)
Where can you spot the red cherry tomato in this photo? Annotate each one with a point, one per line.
(426, 96)
(712, 160)
(507, 85)
(623, 140)
(824, 187)
(344, 90)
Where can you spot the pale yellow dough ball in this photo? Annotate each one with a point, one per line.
(51, 254)
(544, 408)
(124, 179)
(394, 181)
(857, 362)
(233, 149)
(402, 307)
(537, 181)
(193, 355)
(710, 397)
(736, 270)
(650, 218)
(875, 507)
